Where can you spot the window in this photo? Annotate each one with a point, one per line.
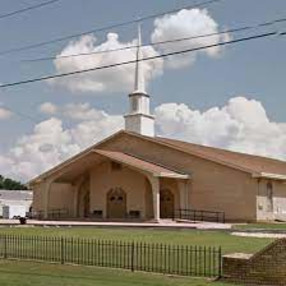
(115, 166)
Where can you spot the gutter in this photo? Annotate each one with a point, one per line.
(269, 176)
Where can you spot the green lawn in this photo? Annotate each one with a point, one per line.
(14, 273)
(30, 274)
(228, 242)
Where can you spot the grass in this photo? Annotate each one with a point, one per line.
(228, 242)
(14, 273)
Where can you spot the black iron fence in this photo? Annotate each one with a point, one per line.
(200, 215)
(136, 256)
(54, 214)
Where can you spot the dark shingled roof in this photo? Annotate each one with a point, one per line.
(255, 164)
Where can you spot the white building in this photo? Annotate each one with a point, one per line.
(16, 200)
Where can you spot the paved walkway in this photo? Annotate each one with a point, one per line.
(163, 224)
(259, 234)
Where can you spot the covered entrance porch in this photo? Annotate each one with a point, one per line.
(116, 186)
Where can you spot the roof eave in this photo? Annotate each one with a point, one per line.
(51, 171)
(172, 176)
(264, 175)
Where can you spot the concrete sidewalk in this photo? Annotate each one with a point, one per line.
(162, 224)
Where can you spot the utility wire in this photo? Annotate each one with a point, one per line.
(134, 46)
(2, 16)
(48, 77)
(232, 30)
(71, 36)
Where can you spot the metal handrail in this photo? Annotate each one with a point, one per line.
(200, 215)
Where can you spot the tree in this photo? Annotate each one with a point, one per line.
(1, 181)
(10, 184)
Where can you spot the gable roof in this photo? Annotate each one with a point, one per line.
(261, 166)
(140, 164)
(257, 166)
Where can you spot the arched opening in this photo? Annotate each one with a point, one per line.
(167, 203)
(84, 199)
(149, 210)
(116, 203)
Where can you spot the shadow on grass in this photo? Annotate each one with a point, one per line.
(49, 275)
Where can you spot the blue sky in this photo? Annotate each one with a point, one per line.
(255, 70)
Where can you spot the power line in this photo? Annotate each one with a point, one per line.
(71, 36)
(232, 30)
(38, 79)
(2, 16)
(134, 46)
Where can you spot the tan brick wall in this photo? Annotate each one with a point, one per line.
(267, 267)
(103, 179)
(213, 187)
(38, 204)
(61, 197)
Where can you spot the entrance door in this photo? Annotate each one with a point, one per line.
(166, 204)
(116, 203)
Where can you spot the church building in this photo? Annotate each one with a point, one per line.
(134, 174)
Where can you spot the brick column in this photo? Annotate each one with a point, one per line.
(47, 189)
(155, 184)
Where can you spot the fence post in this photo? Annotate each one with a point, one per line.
(5, 246)
(62, 250)
(219, 263)
(132, 256)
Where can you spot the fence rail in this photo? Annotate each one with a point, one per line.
(136, 256)
(55, 214)
(200, 215)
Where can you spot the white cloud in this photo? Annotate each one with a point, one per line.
(51, 143)
(5, 113)
(184, 24)
(74, 111)
(30, 154)
(48, 108)
(241, 125)
(83, 111)
(115, 79)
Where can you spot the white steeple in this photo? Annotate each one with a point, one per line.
(139, 119)
(139, 85)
